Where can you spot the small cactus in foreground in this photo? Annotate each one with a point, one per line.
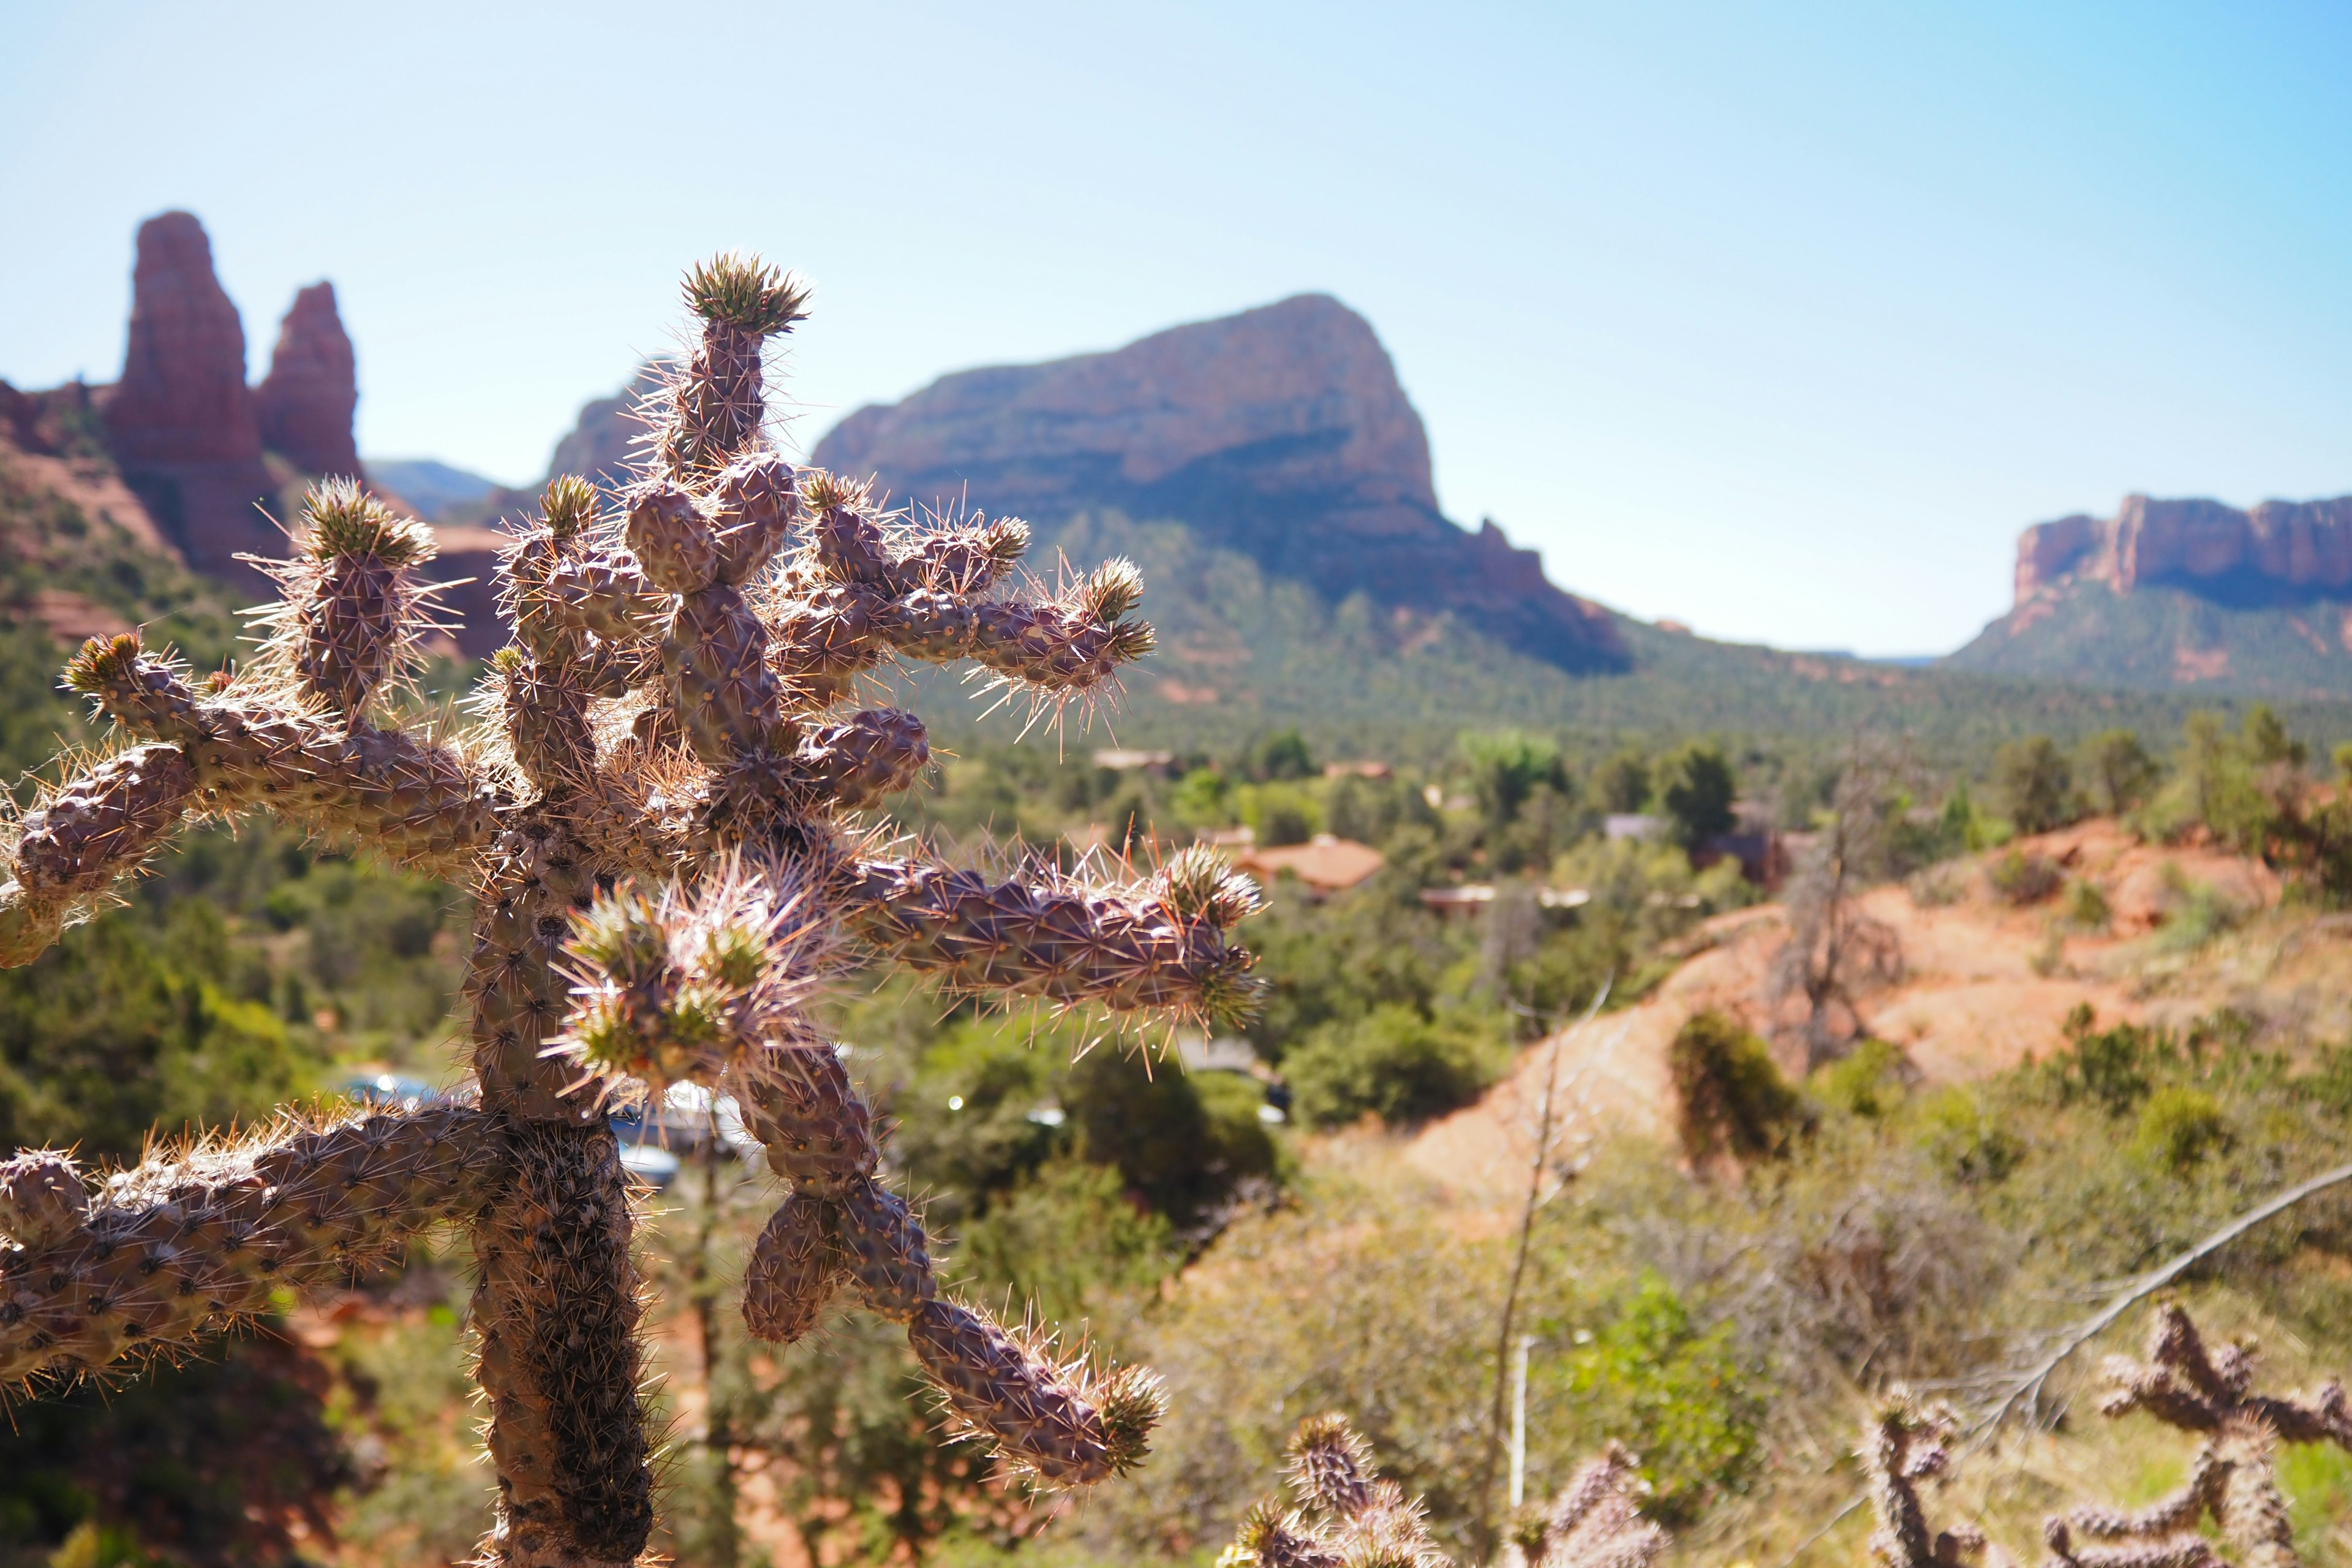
(1904, 1443)
(2231, 1478)
(650, 814)
(1347, 1517)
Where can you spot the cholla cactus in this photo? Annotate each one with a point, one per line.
(1596, 1521)
(649, 813)
(2231, 1478)
(1902, 1444)
(1345, 1517)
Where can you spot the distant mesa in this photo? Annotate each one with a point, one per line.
(1280, 433)
(2183, 593)
(2278, 552)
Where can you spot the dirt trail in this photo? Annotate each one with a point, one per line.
(1985, 983)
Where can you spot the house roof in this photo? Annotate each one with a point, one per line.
(1330, 865)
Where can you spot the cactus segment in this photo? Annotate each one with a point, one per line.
(556, 1316)
(350, 614)
(77, 842)
(199, 1236)
(1128, 949)
(1067, 1425)
(796, 1268)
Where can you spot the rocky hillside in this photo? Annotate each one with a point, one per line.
(2183, 594)
(1280, 434)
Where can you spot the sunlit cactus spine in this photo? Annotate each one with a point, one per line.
(650, 811)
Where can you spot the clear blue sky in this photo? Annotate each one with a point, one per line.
(1781, 320)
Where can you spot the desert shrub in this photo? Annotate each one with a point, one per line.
(1730, 1099)
(1870, 1080)
(1395, 1064)
(2179, 1127)
(1939, 886)
(1650, 1368)
(2025, 879)
(2036, 784)
(2114, 1068)
(1964, 1139)
(2086, 907)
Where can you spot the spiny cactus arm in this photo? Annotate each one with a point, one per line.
(859, 594)
(1160, 946)
(351, 606)
(81, 838)
(2176, 1510)
(198, 1237)
(412, 799)
(1901, 1444)
(1068, 1423)
(714, 409)
(2171, 1551)
(2247, 1505)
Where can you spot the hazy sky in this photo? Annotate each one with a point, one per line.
(1781, 320)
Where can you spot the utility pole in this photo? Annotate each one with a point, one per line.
(1519, 1422)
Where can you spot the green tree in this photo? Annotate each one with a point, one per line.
(1507, 767)
(1698, 786)
(1282, 755)
(2036, 784)
(1622, 783)
(2121, 770)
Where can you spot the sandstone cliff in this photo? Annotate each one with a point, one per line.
(2183, 593)
(2280, 549)
(1281, 433)
(306, 403)
(180, 421)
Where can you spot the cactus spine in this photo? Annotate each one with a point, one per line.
(648, 812)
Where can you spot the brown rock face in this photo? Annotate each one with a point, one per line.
(2279, 550)
(1281, 433)
(180, 422)
(182, 399)
(305, 404)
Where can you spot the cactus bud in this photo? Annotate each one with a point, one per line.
(1198, 884)
(747, 293)
(341, 521)
(569, 505)
(42, 1198)
(1116, 587)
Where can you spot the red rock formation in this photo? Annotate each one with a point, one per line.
(180, 422)
(305, 404)
(182, 399)
(2279, 547)
(1281, 433)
